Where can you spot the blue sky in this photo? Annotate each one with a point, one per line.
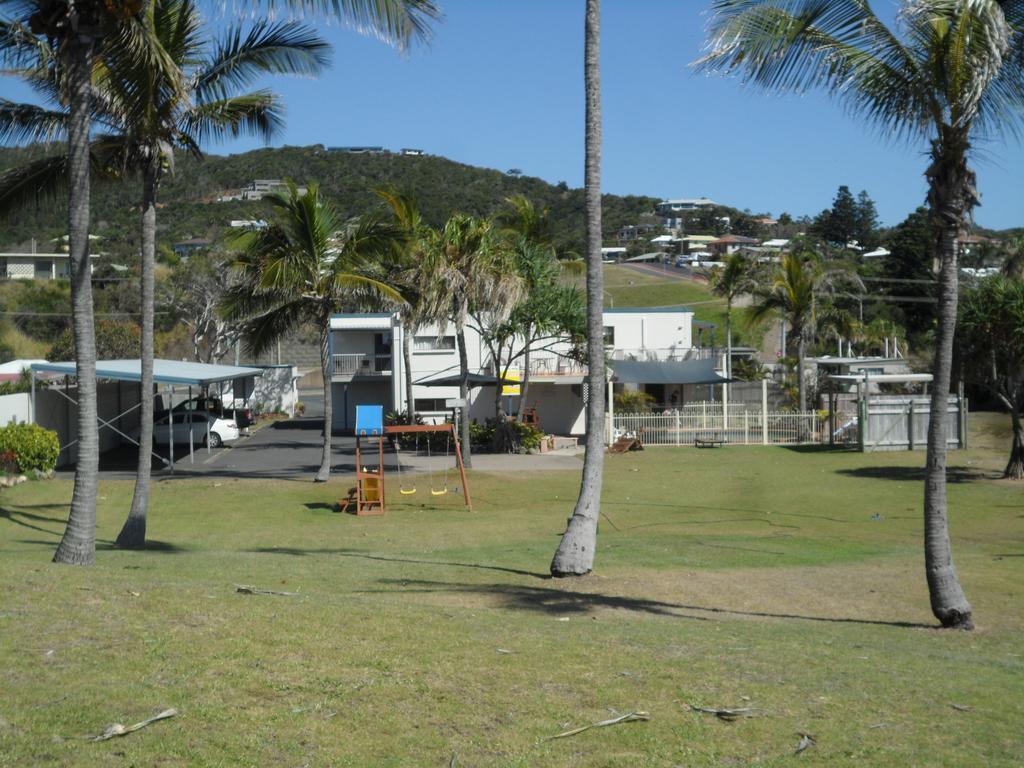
(501, 86)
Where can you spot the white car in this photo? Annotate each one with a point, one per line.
(220, 430)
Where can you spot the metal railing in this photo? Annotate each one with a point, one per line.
(675, 354)
(549, 364)
(708, 421)
(361, 365)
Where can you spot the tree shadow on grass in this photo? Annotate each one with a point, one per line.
(550, 600)
(914, 474)
(341, 552)
(821, 448)
(151, 545)
(15, 513)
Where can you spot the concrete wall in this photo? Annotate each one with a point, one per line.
(559, 408)
(15, 408)
(651, 330)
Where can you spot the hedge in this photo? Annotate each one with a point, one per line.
(35, 447)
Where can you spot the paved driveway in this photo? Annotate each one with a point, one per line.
(292, 449)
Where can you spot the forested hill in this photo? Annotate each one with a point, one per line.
(188, 207)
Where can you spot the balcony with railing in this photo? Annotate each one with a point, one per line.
(356, 365)
(668, 354)
(543, 364)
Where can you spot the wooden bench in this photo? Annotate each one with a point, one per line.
(709, 440)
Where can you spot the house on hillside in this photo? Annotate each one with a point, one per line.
(37, 266)
(186, 248)
(729, 244)
(649, 349)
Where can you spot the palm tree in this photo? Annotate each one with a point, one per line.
(792, 292)
(69, 34)
(731, 281)
(952, 72)
(575, 553)
(74, 30)
(301, 270)
(467, 270)
(404, 270)
(144, 119)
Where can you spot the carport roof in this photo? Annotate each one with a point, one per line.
(164, 371)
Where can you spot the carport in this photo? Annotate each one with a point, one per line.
(167, 372)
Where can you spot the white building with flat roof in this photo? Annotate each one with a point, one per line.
(367, 366)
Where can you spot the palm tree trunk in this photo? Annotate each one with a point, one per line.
(1015, 466)
(950, 198)
(324, 473)
(801, 382)
(133, 533)
(575, 554)
(460, 338)
(78, 545)
(524, 386)
(407, 334)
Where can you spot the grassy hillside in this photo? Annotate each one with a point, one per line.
(188, 210)
(628, 287)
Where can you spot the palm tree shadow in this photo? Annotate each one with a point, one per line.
(12, 513)
(553, 601)
(914, 474)
(342, 552)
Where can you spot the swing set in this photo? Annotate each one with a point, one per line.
(367, 498)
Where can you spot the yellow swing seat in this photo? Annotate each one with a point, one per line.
(438, 492)
(407, 491)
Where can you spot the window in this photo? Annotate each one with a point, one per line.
(429, 404)
(433, 343)
(609, 335)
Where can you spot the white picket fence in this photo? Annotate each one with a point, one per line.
(735, 426)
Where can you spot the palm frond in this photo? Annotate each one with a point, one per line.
(267, 48)
(397, 22)
(257, 114)
(28, 123)
(839, 45)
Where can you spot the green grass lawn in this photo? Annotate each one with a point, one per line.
(738, 577)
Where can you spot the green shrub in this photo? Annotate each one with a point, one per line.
(481, 436)
(633, 402)
(36, 448)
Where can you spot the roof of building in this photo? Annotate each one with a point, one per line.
(735, 240)
(164, 371)
(646, 310)
(689, 201)
(363, 321)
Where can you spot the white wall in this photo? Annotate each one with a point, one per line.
(650, 329)
(14, 408)
(559, 408)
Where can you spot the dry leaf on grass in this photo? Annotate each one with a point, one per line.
(245, 589)
(724, 714)
(116, 729)
(628, 718)
(806, 741)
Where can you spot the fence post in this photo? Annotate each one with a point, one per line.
(910, 424)
(704, 415)
(764, 411)
(676, 412)
(746, 427)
